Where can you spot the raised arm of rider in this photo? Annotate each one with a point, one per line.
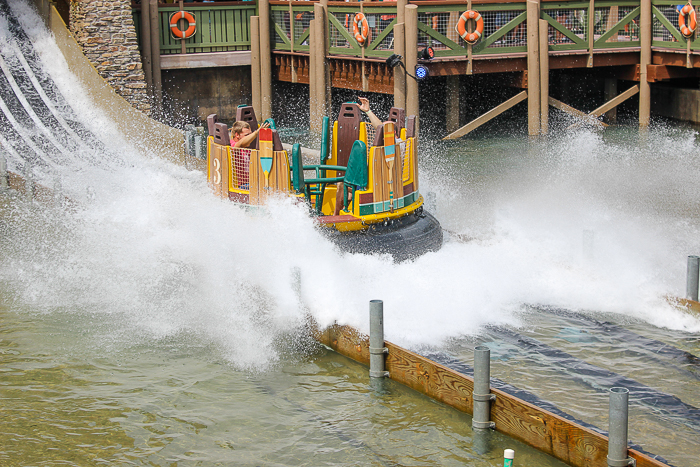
(364, 106)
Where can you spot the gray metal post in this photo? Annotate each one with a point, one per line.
(4, 181)
(376, 339)
(691, 285)
(482, 388)
(617, 436)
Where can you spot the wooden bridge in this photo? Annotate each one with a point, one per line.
(312, 43)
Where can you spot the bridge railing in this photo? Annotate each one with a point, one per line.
(221, 26)
(225, 26)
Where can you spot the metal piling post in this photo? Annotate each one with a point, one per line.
(691, 287)
(482, 388)
(376, 340)
(617, 436)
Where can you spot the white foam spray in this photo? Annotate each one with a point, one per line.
(159, 255)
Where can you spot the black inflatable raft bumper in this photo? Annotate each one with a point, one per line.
(405, 238)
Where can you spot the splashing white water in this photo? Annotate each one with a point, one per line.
(159, 254)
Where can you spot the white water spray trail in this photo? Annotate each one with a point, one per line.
(157, 255)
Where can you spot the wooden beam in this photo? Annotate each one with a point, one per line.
(614, 102)
(557, 104)
(549, 433)
(611, 104)
(205, 60)
(663, 72)
(476, 123)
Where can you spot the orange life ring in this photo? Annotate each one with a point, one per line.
(470, 37)
(191, 25)
(688, 30)
(360, 28)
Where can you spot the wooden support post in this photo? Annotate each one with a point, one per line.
(146, 45)
(644, 60)
(399, 73)
(452, 101)
(591, 26)
(470, 47)
(401, 11)
(533, 68)
(255, 66)
(155, 56)
(314, 118)
(611, 92)
(265, 60)
(544, 76)
(411, 60)
(321, 44)
(476, 123)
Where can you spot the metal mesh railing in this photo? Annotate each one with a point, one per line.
(606, 18)
(573, 19)
(302, 19)
(661, 32)
(445, 24)
(281, 19)
(376, 22)
(240, 168)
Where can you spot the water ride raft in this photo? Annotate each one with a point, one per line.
(372, 173)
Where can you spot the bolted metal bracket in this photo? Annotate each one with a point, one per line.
(622, 462)
(378, 374)
(378, 350)
(484, 397)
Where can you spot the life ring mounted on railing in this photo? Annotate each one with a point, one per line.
(191, 25)
(360, 28)
(461, 28)
(687, 29)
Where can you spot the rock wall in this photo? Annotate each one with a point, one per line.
(105, 31)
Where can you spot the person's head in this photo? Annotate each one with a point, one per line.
(239, 130)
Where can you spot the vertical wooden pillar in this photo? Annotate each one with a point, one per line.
(322, 70)
(155, 56)
(544, 76)
(452, 101)
(146, 45)
(326, 61)
(401, 11)
(533, 68)
(400, 49)
(255, 66)
(314, 126)
(265, 60)
(411, 60)
(399, 73)
(644, 61)
(611, 92)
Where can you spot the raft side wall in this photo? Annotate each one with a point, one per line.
(543, 430)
